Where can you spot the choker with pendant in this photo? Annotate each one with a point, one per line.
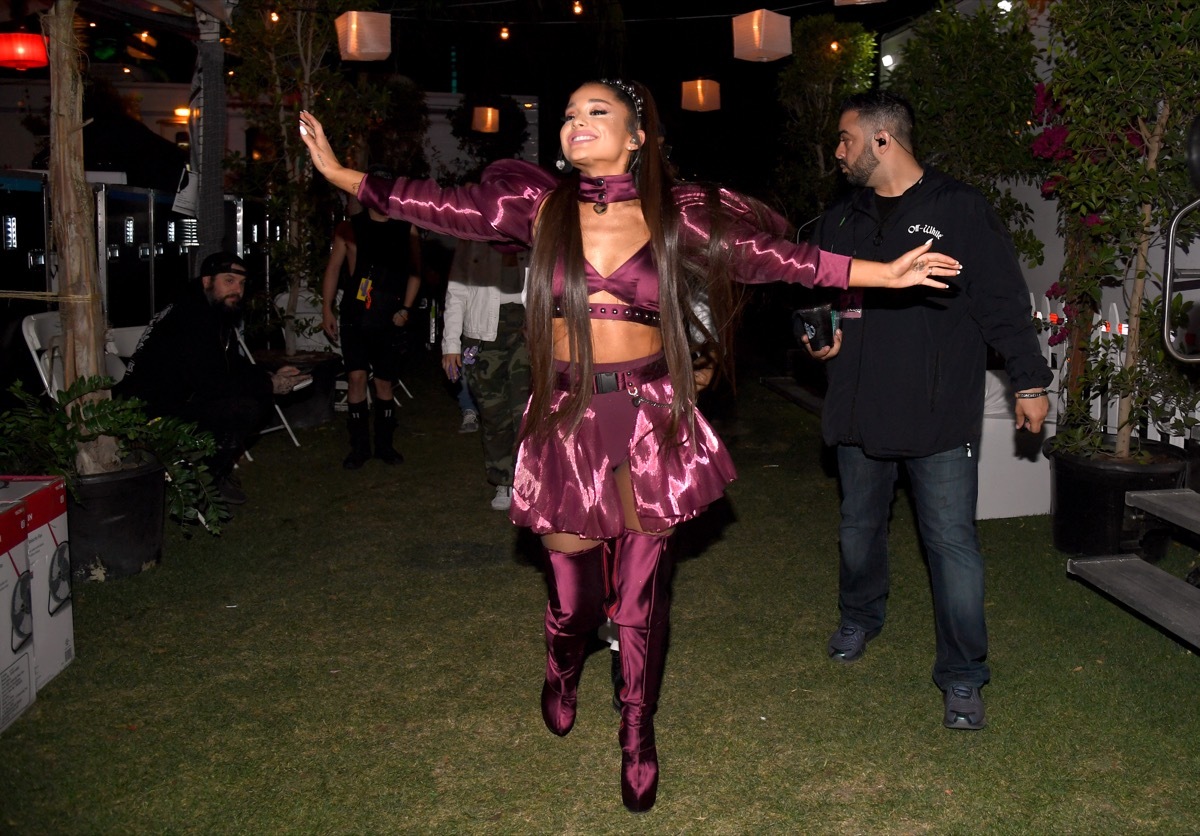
(601, 191)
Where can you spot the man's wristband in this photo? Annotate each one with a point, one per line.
(1045, 393)
(406, 310)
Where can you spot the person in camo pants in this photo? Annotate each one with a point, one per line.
(484, 342)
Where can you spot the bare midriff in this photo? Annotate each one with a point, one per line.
(609, 240)
(613, 341)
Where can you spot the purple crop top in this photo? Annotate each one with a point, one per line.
(502, 207)
(635, 283)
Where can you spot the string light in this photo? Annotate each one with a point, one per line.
(504, 33)
(577, 8)
(835, 46)
(274, 17)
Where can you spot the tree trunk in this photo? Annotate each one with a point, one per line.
(1141, 267)
(74, 220)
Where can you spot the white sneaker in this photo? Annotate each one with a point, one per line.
(502, 501)
(470, 421)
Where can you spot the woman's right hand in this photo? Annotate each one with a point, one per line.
(452, 365)
(323, 158)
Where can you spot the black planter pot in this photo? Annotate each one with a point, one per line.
(115, 522)
(1088, 501)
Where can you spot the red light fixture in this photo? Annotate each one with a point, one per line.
(22, 51)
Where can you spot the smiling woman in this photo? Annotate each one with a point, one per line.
(630, 310)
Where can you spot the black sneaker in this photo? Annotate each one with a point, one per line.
(231, 491)
(389, 456)
(964, 707)
(355, 459)
(849, 642)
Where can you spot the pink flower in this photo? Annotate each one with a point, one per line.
(1092, 220)
(1045, 107)
(1049, 186)
(1056, 291)
(1059, 336)
(1134, 138)
(1051, 144)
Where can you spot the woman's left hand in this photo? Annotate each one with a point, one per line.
(918, 266)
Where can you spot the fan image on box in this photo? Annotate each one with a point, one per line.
(22, 611)
(60, 578)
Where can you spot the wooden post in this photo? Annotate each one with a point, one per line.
(74, 220)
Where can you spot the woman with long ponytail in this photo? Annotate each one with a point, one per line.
(631, 278)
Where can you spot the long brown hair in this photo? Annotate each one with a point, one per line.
(691, 281)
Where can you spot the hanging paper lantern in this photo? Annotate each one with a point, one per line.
(762, 36)
(486, 120)
(701, 95)
(22, 51)
(364, 36)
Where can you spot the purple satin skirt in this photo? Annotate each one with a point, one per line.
(565, 482)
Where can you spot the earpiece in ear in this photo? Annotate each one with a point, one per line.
(880, 141)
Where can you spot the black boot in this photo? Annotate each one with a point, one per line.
(385, 428)
(229, 450)
(360, 436)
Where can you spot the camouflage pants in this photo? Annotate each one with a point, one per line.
(499, 382)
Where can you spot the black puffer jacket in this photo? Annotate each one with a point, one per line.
(909, 379)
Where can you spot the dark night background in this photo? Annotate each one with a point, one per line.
(550, 52)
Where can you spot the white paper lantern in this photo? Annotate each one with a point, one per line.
(486, 120)
(364, 36)
(762, 36)
(701, 95)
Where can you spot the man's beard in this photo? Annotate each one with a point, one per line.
(859, 172)
(229, 314)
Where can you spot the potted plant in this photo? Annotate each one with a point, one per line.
(1115, 116)
(115, 518)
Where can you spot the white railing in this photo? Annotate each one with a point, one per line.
(1108, 323)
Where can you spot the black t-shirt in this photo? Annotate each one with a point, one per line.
(383, 256)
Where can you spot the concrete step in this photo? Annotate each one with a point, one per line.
(1178, 506)
(1168, 601)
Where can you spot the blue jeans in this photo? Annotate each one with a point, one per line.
(465, 401)
(944, 490)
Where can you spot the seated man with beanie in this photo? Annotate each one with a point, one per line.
(189, 365)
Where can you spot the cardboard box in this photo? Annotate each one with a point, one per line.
(17, 688)
(45, 499)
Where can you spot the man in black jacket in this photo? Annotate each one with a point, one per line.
(906, 386)
(188, 364)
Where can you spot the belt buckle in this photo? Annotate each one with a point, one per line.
(607, 382)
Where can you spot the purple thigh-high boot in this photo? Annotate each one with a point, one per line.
(573, 614)
(642, 581)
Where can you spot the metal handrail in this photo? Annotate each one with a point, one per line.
(1168, 277)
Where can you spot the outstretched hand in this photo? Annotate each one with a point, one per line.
(323, 158)
(918, 266)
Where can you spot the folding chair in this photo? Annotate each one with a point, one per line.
(43, 336)
(283, 421)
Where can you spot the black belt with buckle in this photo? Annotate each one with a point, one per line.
(606, 382)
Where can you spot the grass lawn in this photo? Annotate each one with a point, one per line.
(361, 652)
